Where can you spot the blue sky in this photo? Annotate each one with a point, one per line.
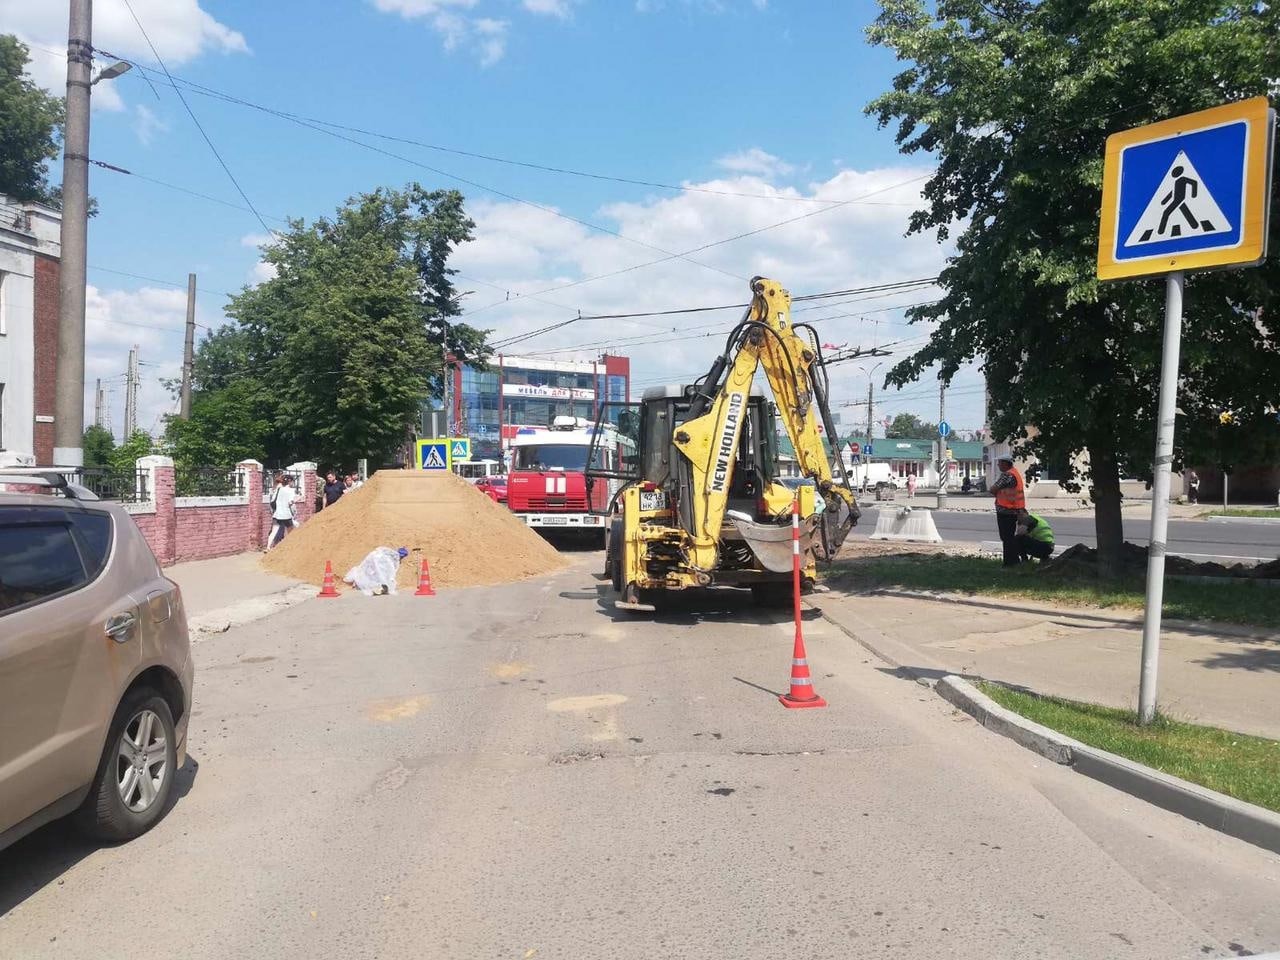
(735, 96)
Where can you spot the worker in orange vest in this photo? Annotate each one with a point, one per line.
(1010, 491)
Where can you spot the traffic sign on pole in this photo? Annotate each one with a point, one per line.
(855, 448)
(1189, 193)
(944, 429)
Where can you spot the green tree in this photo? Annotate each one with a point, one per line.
(131, 449)
(907, 426)
(1015, 99)
(348, 339)
(98, 445)
(30, 128)
(227, 425)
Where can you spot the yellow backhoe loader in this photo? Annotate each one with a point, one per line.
(701, 502)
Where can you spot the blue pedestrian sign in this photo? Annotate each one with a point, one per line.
(944, 429)
(1188, 193)
(432, 455)
(866, 450)
(460, 448)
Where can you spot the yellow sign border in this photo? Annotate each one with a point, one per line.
(1253, 237)
(421, 444)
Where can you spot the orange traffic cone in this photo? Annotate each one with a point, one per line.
(802, 693)
(328, 590)
(424, 581)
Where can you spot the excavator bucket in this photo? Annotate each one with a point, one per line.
(833, 526)
(770, 542)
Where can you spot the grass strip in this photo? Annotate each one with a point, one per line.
(1231, 601)
(1239, 765)
(1266, 513)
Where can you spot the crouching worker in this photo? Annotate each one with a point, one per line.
(1034, 537)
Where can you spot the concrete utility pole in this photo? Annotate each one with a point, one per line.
(188, 349)
(97, 404)
(866, 457)
(131, 394)
(942, 447)
(68, 405)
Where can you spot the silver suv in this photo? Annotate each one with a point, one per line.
(95, 665)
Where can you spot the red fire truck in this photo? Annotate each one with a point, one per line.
(547, 484)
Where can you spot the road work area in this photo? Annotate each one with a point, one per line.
(520, 771)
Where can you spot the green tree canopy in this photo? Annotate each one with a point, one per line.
(30, 128)
(227, 425)
(1015, 99)
(98, 446)
(907, 426)
(132, 449)
(335, 355)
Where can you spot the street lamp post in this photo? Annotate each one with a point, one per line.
(68, 404)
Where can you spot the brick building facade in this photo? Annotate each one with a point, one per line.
(30, 260)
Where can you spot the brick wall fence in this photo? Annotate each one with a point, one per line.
(199, 528)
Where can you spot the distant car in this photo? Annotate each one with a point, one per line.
(95, 666)
(494, 487)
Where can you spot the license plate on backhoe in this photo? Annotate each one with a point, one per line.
(653, 500)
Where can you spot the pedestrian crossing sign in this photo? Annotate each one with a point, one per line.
(1191, 193)
(433, 455)
(460, 448)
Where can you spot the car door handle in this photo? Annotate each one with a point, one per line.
(120, 627)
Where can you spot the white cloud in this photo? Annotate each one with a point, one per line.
(525, 250)
(756, 161)
(153, 319)
(146, 124)
(181, 30)
(484, 37)
(552, 8)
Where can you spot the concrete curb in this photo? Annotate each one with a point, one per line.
(1238, 819)
(247, 611)
(1213, 519)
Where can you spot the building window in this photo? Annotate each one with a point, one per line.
(2, 446)
(4, 303)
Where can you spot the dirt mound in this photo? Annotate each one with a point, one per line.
(1081, 560)
(467, 538)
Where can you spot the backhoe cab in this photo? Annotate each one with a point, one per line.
(701, 502)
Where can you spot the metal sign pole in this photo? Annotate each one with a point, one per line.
(1167, 411)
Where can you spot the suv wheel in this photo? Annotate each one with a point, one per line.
(136, 774)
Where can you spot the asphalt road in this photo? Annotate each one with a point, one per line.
(521, 772)
(1196, 539)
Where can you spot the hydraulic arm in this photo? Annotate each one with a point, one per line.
(709, 438)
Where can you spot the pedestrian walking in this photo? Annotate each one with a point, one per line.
(911, 486)
(1193, 486)
(1034, 537)
(283, 517)
(333, 489)
(1010, 491)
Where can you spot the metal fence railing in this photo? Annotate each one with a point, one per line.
(208, 482)
(109, 483)
(269, 481)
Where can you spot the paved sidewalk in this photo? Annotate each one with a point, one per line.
(1222, 675)
(232, 590)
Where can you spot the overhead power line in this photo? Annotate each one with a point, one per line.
(194, 119)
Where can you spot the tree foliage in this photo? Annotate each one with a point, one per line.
(227, 425)
(30, 128)
(907, 426)
(132, 449)
(98, 445)
(1015, 99)
(336, 354)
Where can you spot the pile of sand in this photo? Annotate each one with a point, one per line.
(467, 539)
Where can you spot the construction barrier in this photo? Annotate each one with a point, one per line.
(904, 523)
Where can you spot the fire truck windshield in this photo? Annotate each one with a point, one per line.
(550, 456)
